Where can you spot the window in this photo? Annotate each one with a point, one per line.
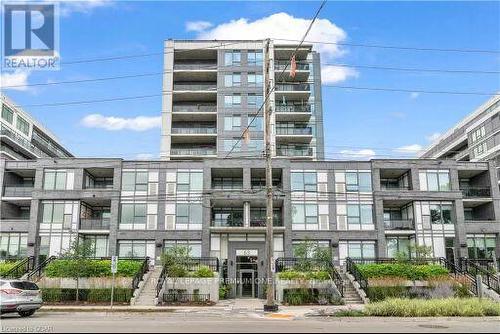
(397, 246)
(358, 181)
(254, 58)
(7, 114)
(227, 183)
(478, 134)
(13, 245)
(315, 244)
(257, 123)
(255, 100)
(54, 179)
(359, 215)
(233, 100)
(134, 248)
(189, 214)
(193, 245)
(135, 181)
(233, 145)
(304, 214)
(22, 125)
(481, 246)
(232, 123)
(440, 213)
(256, 146)
(480, 149)
(304, 181)
(255, 79)
(134, 216)
(361, 249)
(232, 80)
(232, 58)
(435, 180)
(53, 213)
(99, 244)
(227, 217)
(189, 181)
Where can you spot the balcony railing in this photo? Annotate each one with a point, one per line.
(294, 152)
(293, 108)
(394, 187)
(195, 87)
(476, 192)
(282, 65)
(193, 151)
(18, 191)
(294, 131)
(293, 87)
(196, 66)
(189, 131)
(194, 108)
(4, 131)
(100, 185)
(227, 223)
(262, 222)
(94, 224)
(403, 224)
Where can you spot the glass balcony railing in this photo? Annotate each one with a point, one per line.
(402, 224)
(18, 191)
(227, 223)
(469, 192)
(195, 86)
(281, 65)
(189, 131)
(293, 87)
(193, 151)
(194, 108)
(261, 222)
(294, 131)
(21, 141)
(294, 152)
(94, 224)
(196, 66)
(293, 108)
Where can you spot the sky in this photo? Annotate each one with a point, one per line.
(359, 124)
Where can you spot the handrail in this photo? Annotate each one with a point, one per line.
(37, 272)
(20, 268)
(352, 268)
(488, 279)
(161, 281)
(458, 273)
(140, 274)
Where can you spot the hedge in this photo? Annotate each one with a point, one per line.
(407, 271)
(57, 295)
(6, 266)
(450, 307)
(304, 275)
(95, 268)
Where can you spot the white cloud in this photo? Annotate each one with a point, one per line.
(198, 26)
(433, 137)
(413, 149)
(359, 154)
(111, 123)
(281, 26)
(17, 78)
(83, 7)
(414, 95)
(333, 74)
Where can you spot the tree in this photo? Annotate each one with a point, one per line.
(78, 257)
(175, 260)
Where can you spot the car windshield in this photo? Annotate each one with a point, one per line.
(24, 285)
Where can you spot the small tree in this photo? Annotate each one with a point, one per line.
(175, 260)
(421, 252)
(78, 260)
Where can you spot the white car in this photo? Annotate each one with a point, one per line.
(18, 296)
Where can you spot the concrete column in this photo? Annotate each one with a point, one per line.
(414, 179)
(380, 227)
(247, 178)
(460, 230)
(246, 214)
(207, 212)
(454, 180)
(78, 185)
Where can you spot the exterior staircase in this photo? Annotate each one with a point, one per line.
(351, 296)
(147, 294)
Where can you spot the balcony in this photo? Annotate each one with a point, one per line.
(475, 192)
(18, 191)
(281, 65)
(227, 223)
(262, 222)
(19, 141)
(301, 73)
(194, 131)
(399, 225)
(293, 92)
(306, 152)
(298, 108)
(393, 186)
(195, 86)
(301, 87)
(195, 66)
(194, 108)
(193, 151)
(94, 224)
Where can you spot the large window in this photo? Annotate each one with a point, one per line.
(232, 145)
(53, 213)
(13, 245)
(257, 123)
(227, 217)
(359, 215)
(232, 58)
(54, 179)
(189, 214)
(440, 213)
(361, 249)
(478, 134)
(227, 183)
(232, 123)
(314, 245)
(358, 181)
(99, 244)
(232, 80)
(22, 125)
(135, 181)
(194, 246)
(481, 246)
(189, 181)
(133, 216)
(255, 100)
(435, 180)
(397, 246)
(304, 181)
(134, 248)
(254, 58)
(255, 80)
(233, 100)
(7, 114)
(304, 214)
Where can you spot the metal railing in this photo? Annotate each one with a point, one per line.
(402, 224)
(385, 186)
(294, 131)
(195, 87)
(262, 222)
(492, 265)
(280, 65)
(139, 276)
(352, 268)
(183, 297)
(21, 268)
(194, 108)
(294, 152)
(36, 273)
(194, 131)
(293, 87)
(196, 66)
(293, 263)
(22, 142)
(489, 278)
(226, 223)
(94, 223)
(293, 108)
(161, 280)
(193, 151)
(469, 192)
(18, 191)
(463, 277)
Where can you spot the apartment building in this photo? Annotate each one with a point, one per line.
(214, 89)
(360, 209)
(22, 137)
(475, 138)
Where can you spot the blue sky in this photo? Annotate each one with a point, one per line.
(378, 122)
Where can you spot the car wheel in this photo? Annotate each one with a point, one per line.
(25, 314)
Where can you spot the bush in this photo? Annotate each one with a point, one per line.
(378, 293)
(450, 307)
(6, 266)
(203, 272)
(304, 275)
(298, 296)
(56, 295)
(224, 291)
(95, 268)
(408, 271)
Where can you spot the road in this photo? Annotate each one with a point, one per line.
(54, 322)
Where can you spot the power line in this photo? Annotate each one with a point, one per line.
(386, 89)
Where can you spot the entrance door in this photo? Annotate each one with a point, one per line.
(450, 249)
(246, 273)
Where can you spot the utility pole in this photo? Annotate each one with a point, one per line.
(270, 305)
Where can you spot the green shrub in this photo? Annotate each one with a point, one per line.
(95, 268)
(6, 266)
(224, 291)
(301, 275)
(56, 295)
(51, 295)
(378, 293)
(450, 307)
(299, 296)
(408, 271)
(203, 272)
(349, 313)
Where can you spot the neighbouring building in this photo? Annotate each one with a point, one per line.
(214, 89)
(22, 137)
